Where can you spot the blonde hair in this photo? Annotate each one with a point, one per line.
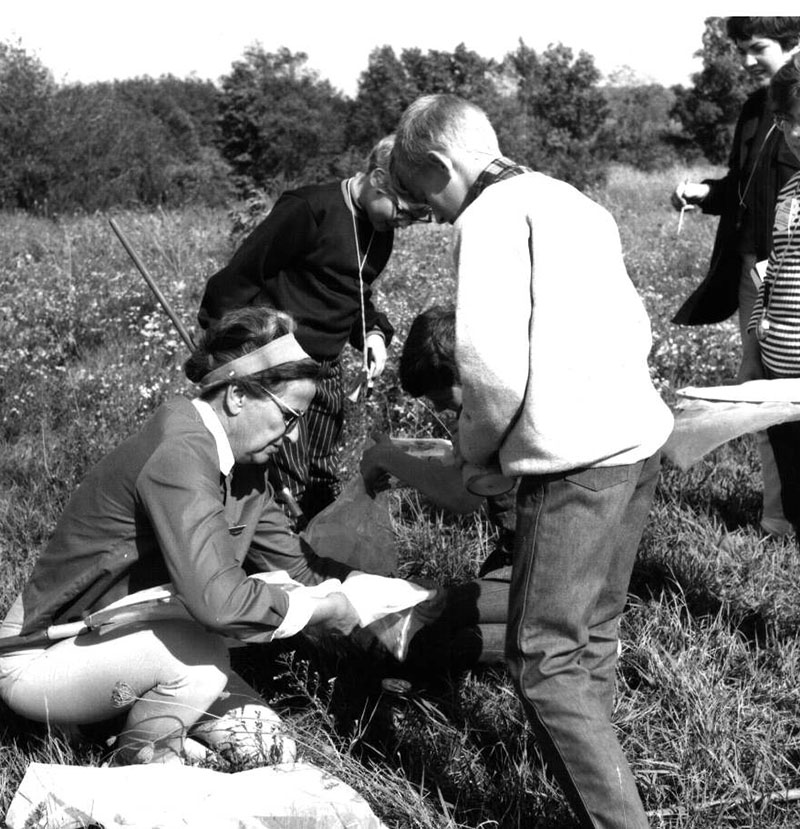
(441, 122)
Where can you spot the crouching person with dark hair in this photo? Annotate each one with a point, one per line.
(471, 631)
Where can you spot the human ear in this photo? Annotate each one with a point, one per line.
(440, 162)
(378, 178)
(233, 400)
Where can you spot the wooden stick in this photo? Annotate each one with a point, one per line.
(785, 796)
(185, 336)
(143, 609)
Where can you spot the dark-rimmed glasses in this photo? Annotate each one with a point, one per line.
(290, 416)
(406, 212)
(411, 214)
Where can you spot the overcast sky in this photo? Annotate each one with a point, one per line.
(90, 40)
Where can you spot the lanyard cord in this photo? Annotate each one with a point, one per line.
(361, 263)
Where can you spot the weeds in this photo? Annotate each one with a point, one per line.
(708, 706)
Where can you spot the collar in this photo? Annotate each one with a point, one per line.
(498, 169)
(212, 423)
(347, 195)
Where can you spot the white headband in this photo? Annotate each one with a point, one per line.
(282, 350)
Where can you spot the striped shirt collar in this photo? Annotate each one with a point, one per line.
(498, 169)
(212, 423)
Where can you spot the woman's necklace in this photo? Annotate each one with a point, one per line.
(763, 327)
(361, 262)
(743, 193)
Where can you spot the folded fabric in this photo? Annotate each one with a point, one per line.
(714, 415)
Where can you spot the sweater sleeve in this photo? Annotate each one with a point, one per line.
(493, 317)
(278, 241)
(179, 489)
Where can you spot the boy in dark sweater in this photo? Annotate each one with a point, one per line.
(316, 256)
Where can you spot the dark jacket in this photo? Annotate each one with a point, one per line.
(302, 259)
(157, 509)
(760, 164)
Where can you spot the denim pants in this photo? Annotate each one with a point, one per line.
(576, 540)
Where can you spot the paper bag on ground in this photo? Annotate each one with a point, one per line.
(288, 796)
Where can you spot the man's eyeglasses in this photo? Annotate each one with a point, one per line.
(406, 212)
(411, 214)
(290, 416)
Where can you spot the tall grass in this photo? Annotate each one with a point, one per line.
(708, 701)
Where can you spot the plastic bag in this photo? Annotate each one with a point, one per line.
(356, 529)
(395, 631)
(390, 610)
(711, 416)
(160, 796)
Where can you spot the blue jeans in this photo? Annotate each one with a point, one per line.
(576, 540)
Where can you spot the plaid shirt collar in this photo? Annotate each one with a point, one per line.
(499, 169)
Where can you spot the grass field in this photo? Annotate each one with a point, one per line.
(708, 698)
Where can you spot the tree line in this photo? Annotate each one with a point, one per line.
(271, 122)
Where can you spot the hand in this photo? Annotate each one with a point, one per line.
(376, 351)
(334, 614)
(373, 464)
(688, 194)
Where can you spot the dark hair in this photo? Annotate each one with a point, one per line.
(239, 332)
(784, 88)
(785, 30)
(428, 361)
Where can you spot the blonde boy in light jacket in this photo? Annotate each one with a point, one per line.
(551, 346)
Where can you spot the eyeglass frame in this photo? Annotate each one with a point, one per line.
(291, 417)
(420, 214)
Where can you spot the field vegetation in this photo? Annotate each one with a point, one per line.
(708, 700)
(272, 122)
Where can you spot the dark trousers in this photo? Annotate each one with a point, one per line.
(785, 441)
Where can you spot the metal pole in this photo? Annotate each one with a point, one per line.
(185, 336)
